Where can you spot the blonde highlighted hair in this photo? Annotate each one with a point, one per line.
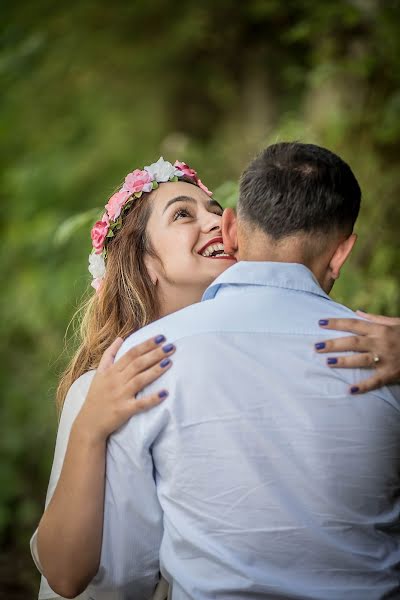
(126, 302)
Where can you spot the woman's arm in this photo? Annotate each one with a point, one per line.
(70, 531)
(377, 343)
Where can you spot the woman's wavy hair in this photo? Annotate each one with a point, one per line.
(126, 302)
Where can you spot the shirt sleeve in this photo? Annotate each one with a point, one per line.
(133, 520)
(72, 405)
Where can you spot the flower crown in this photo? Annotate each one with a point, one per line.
(135, 184)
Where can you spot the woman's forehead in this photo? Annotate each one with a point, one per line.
(173, 189)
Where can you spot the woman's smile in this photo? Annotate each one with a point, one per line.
(214, 248)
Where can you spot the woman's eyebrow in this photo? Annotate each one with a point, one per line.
(179, 199)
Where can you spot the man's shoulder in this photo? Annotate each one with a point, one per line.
(192, 320)
(222, 313)
(335, 310)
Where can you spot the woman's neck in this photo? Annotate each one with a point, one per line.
(176, 299)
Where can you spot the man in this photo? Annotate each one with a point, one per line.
(260, 476)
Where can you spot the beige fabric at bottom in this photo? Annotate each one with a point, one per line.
(162, 590)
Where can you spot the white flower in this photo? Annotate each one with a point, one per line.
(161, 171)
(97, 266)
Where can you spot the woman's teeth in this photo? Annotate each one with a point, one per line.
(214, 250)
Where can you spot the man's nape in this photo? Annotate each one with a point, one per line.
(323, 254)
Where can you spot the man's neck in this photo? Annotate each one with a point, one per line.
(292, 249)
(282, 252)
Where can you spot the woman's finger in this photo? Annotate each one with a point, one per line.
(363, 360)
(351, 325)
(344, 344)
(142, 404)
(378, 318)
(139, 382)
(109, 355)
(367, 385)
(148, 360)
(139, 350)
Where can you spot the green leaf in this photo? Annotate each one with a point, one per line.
(72, 225)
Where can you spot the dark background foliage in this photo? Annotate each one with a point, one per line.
(91, 90)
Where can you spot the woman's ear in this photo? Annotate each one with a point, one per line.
(150, 263)
(229, 231)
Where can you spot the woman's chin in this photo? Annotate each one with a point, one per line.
(221, 264)
(218, 266)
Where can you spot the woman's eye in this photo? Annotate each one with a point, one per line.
(181, 213)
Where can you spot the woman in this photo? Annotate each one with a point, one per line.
(156, 249)
(141, 272)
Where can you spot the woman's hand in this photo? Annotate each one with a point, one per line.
(377, 344)
(111, 399)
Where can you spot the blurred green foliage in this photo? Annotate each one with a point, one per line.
(92, 89)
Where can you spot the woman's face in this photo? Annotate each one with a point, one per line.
(185, 232)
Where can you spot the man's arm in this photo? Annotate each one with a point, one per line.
(377, 344)
(132, 529)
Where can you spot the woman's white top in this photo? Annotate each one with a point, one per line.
(72, 405)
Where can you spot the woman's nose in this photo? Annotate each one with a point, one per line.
(213, 223)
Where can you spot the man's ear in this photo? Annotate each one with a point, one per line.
(229, 231)
(341, 254)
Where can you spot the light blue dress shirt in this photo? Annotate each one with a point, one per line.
(260, 476)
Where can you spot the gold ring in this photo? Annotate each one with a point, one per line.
(376, 359)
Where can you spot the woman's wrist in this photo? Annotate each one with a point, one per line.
(87, 434)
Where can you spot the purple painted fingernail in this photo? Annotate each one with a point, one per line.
(159, 339)
(323, 322)
(332, 361)
(165, 362)
(163, 394)
(354, 389)
(320, 346)
(168, 348)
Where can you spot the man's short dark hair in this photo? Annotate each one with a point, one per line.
(291, 188)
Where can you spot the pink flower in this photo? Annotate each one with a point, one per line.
(191, 174)
(186, 170)
(96, 284)
(115, 204)
(203, 187)
(99, 232)
(138, 181)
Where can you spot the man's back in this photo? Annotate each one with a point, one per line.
(273, 481)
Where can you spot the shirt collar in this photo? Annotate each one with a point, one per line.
(292, 276)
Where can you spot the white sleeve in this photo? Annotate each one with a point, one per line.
(72, 405)
(133, 519)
